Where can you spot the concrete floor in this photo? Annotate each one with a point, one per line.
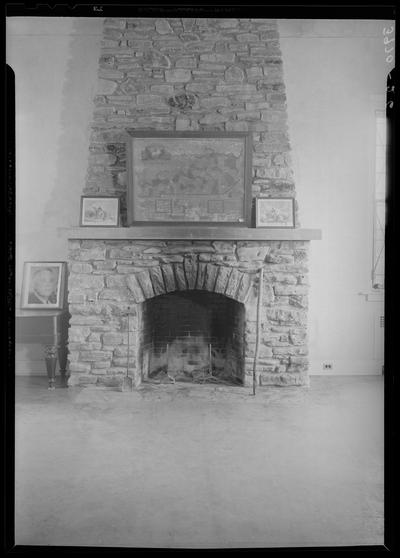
(200, 466)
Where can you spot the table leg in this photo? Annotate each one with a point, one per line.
(62, 358)
(50, 352)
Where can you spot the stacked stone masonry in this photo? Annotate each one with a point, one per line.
(190, 75)
(110, 279)
(187, 74)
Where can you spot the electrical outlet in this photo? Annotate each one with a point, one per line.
(327, 366)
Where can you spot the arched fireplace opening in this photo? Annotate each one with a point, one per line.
(192, 336)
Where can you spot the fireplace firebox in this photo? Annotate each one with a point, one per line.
(194, 336)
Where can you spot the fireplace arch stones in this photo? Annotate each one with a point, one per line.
(190, 275)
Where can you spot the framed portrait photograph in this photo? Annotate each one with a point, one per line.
(189, 177)
(43, 285)
(275, 212)
(99, 211)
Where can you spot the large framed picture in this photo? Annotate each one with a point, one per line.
(99, 211)
(189, 177)
(275, 212)
(43, 285)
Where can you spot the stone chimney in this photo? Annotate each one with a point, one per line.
(182, 75)
(190, 75)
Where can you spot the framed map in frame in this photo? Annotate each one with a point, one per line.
(189, 177)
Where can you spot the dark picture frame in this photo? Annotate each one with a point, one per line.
(43, 285)
(99, 211)
(275, 213)
(208, 183)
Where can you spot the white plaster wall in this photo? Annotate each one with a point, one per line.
(335, 75)
(55, 64)
(334, 71)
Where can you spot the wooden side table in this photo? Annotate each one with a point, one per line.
(49, 327)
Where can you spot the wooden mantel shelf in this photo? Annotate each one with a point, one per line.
(190, 233)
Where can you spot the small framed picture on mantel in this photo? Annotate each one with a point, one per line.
(275, 213)
(99, 211)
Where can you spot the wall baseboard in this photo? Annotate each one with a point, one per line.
(29, 361)
(347, 368)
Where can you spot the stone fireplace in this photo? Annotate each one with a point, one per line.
(190, 303)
